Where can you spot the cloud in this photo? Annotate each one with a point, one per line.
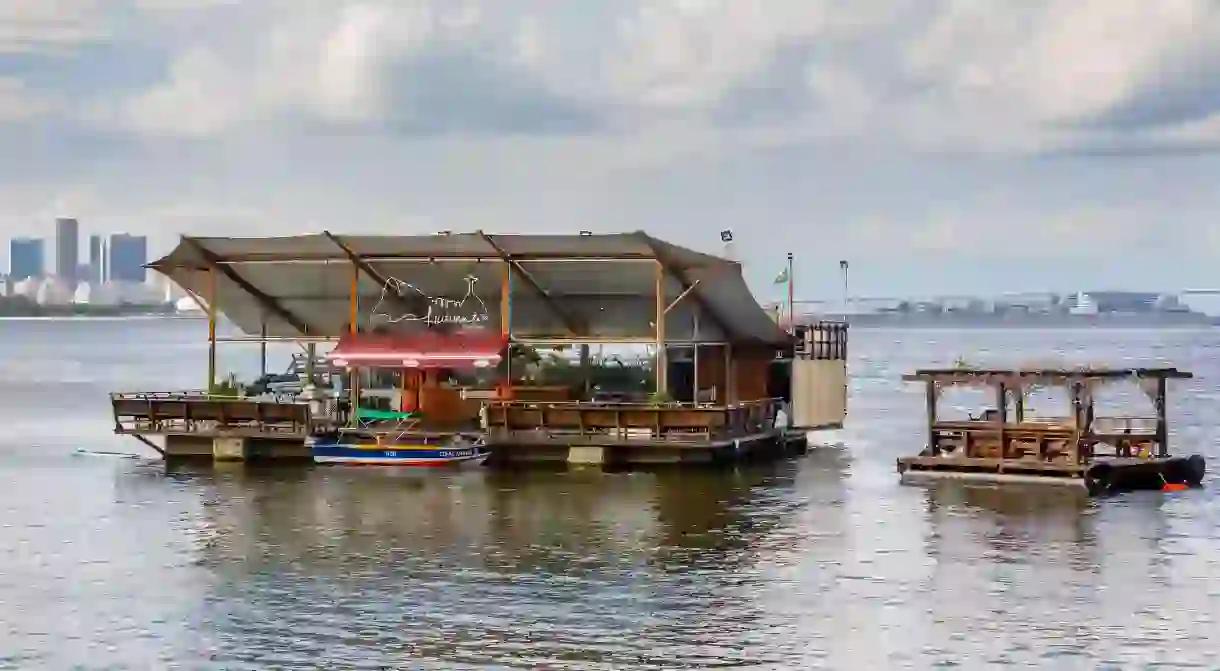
(928, 75)
(19, 103)
(869, 128)
(42, 26)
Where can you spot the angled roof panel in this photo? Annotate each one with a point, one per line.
(602, 280)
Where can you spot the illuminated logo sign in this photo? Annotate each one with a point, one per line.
(470, 309)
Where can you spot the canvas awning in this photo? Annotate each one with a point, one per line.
(577, 288)
(423, 349)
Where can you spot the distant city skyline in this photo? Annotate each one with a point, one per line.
(112, 256)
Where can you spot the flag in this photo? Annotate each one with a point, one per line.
(782, 277)
(842, 265)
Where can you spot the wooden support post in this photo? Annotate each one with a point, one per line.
(506, 330)
(262, 346)
(212, 291)
(586, 373)
(1162, 423)
(730, 379)
(506, 298)
(353, 322)
(930, 401)
(695, 373)
(1001, 405)
(353, 328)
(402, 390)
(1078, 424)
(695, 356)
(662, 364)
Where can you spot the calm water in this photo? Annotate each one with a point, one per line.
(820, 562)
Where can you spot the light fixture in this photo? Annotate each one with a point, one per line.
(726, 235)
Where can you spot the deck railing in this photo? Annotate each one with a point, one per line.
(198, 412)
(1048, 438)
(630, 421)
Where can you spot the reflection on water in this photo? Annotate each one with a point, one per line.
(582, 568)
(818, 562)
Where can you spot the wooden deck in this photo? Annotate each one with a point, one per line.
(192, 424)
(195, 413)
(604, 433)
(509, 421)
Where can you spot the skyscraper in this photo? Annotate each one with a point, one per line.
(25, 258)
(95, 260)
(128, 254)
(67, 249)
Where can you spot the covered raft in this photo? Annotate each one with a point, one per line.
(1005, 444)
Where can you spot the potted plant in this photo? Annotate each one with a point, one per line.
(229, 386)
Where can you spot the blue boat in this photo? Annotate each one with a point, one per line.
(362, 448)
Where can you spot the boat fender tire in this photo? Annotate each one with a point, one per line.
(1196, 468)
(1099, 479)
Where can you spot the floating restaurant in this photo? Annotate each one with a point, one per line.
(1007, 443)
(424, 337)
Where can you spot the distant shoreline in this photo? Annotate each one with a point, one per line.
(101, 317)
(23, 308)
(1188, 320)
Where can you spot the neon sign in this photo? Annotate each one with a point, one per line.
(436, 309)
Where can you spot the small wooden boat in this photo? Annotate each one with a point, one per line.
(362, 448)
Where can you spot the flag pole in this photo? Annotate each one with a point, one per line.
(791, 302)
(846, 290)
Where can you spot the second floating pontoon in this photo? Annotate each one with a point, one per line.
(1103, 454)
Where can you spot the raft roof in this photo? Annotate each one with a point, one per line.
(1060, 375)
(565, 287)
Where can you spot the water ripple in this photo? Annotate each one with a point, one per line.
(820, 562)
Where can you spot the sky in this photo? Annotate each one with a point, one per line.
(941, 146)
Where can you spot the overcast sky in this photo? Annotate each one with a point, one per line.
(940, 145)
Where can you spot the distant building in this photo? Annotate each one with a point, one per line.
(26, 258)
(1034, 301)
(97, 265)
(128, 254)
(67, 249)
(1081, 303)
(1125, 301)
